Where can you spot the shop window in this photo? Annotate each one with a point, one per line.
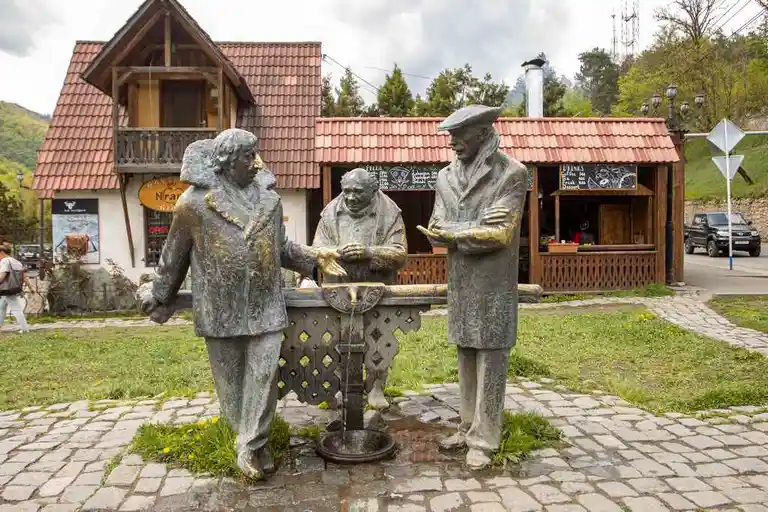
(157, 226)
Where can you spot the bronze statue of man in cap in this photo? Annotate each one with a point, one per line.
(479, 202)
(366, 228)
(228, 228)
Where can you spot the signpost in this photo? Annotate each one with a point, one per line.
(725, 136)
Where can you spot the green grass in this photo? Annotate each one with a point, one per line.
(704, 181)
(629, 353)
(749, 311)
(624, 351)
(521, 434)
(652, 290)
(49, 366)
(203, 447)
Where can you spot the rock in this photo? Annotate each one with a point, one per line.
(373, 420)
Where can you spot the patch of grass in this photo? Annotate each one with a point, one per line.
(49, 366)
(704, 181)
(521, 434)
(749, 311)
(203, 447)
(632, 354)
(626, 352)
(311, 432)
(652, 290)
(110, 466)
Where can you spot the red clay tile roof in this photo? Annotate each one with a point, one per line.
(532, 141)
(284, 78)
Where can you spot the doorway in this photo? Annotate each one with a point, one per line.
(182, 104)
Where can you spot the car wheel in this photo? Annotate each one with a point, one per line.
(754, 252)
(712, 249)
(689, 247)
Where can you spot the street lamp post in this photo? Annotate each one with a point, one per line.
(675, 127)
(41, 253)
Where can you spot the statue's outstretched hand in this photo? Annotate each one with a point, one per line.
(328, 262)
(157, 312)
(439, 235)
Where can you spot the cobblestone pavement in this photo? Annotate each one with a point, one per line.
(616, 457)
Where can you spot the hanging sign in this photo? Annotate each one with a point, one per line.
(405, 177)
(598, 177)
(161, 194)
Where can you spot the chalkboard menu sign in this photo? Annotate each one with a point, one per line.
(405, 177)
(598, 177)
(414, 177)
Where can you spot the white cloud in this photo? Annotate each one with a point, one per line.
(423, 36)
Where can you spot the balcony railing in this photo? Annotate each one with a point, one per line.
(156, 147)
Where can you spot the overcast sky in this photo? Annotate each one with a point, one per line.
(422, 36)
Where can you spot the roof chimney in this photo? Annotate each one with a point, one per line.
(534, 87)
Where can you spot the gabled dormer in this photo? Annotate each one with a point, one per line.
(170, 85)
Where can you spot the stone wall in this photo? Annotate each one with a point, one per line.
(755, 210)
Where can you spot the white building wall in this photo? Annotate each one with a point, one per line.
(114, 239)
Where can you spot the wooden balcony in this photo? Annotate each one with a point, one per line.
(155, 150)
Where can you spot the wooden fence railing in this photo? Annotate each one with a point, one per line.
(424, 269)
(598, 271)
(156, 146)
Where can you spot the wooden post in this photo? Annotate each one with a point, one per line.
(534, 265)
(220, 99)
(678, 209)
(167, 39)
(557, 219)
(326, 184)
(123, 180)
(659, 222)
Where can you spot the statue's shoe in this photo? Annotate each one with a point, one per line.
(246, 463)
(377, 399)
(477, 459)
(455, 442)
(265, 460)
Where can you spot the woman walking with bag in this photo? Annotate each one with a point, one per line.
(12, 281)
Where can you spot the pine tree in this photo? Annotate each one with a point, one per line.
(328, 102)
(395, 98)
(349, 103)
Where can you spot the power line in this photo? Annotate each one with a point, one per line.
(732, 15)
(403, 72)
(345, 68)
(709, 53)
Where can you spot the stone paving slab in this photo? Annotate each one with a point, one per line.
(616, 457)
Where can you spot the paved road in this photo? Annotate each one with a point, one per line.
(749, 275)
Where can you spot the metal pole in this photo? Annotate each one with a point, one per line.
(669, 250)
(728, 193)
(42, 231)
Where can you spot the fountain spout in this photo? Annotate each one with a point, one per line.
(353, 296)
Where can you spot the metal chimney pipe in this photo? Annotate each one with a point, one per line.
(534, 85)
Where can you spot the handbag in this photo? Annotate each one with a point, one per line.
(11, 285)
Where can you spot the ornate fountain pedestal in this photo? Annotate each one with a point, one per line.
(336, 334)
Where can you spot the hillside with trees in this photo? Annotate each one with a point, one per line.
(21, 135)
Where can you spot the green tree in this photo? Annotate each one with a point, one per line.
(16, 227)
(394, 97)
(694, 19)
(577, 104)
(456, 88)
(328, 105)
(349, 103)
(598, 76)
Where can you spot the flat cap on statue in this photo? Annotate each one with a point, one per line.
(470, 115)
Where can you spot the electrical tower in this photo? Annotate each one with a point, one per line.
(614, 42)
(630, 28)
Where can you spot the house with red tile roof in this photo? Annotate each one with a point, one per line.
(129, 107)
(616, 176)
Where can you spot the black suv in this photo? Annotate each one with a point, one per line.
(710, 231)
